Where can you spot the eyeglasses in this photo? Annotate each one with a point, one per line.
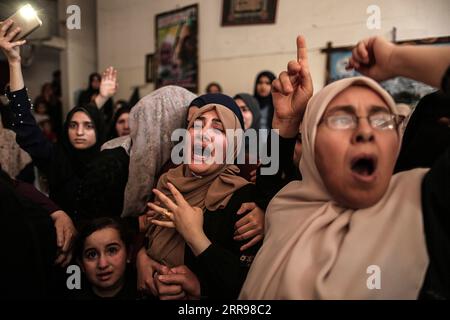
(346, 120)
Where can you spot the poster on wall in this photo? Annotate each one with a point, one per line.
(177, 48)
(402, 89)
(244, 12)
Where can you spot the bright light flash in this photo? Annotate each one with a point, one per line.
(28, 12)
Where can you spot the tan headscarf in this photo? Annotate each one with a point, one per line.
(152, 122)
(316, 249)
(210, 192)
(13, 159)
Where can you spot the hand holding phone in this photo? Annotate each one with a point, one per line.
(9, 48)
(26, 19)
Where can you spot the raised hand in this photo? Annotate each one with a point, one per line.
(181, 215)
(373, 58)
(10, 49)
(109, 84)
(291, 92)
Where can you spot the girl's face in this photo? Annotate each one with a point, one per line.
(246, 113)
(208, 144)
(122, 126)
(356, 165)
(264, 86)
(104, 261)
(81, 131)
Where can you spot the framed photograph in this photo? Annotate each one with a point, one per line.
(245, 12)
(149, 68)
(403, 90)
(176, 54)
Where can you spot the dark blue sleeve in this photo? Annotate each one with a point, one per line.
(28, 135)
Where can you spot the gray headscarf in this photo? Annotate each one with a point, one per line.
(152, 121)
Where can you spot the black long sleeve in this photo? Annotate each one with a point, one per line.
(28, 135)
(222, 267)
(436, 217)
(269, 185)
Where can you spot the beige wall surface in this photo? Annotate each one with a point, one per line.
(234, 55)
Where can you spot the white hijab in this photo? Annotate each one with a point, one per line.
(316, 249)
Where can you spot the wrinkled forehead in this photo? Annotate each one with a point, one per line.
(226, 116)
(320, 102)
(358, 97)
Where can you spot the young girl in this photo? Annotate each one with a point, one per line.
(102, 251)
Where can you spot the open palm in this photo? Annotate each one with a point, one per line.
(109, 85)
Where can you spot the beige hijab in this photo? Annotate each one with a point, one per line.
(316, 249)
(12, 158)
(210, 192)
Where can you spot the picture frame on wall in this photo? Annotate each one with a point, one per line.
(149, 68)
(248, 12)
(176, 56)
(403, 90)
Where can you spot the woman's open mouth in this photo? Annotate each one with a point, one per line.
(363, 168)
(202, 153)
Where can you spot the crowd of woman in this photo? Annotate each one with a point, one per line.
(355, 188)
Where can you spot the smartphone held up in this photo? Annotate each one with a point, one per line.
(26, 18)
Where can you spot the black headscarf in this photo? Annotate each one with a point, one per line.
(86, 95)
(253, 105)
(222, 99)
(425, 138)
(264, 101)
(112, 130)
(69, 163)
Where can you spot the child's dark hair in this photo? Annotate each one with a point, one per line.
(97, 224)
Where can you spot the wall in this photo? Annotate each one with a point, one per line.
(79, 59)
(234, 55)
(45, 61)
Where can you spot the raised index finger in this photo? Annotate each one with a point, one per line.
(302, 52)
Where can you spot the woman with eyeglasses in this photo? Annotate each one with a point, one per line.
(351, 229)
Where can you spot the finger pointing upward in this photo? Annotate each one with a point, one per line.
(302, 52)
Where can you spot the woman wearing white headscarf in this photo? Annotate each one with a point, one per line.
(351, 229)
